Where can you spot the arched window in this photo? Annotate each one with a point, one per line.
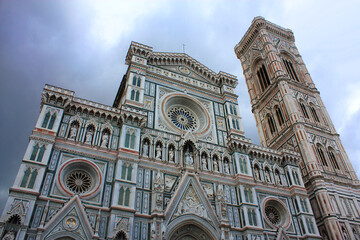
(127, 139)
(138, 82)
(132, 95)
(46, 120)
(29, 178)
(37, 153)
(134, 81)
(271, 124)
(252, 217)
(333, 158)
(52, 120)
(290, 69)
(124, 196)
(314, 114)
(231, 109)
(137, 95)
(279, 115)
(263, 77)
(303, 109)
(248, 195)
(296, 177)
(321, 155)
(132, 141)
(243, 165)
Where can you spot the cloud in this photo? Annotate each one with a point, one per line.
(81, 46)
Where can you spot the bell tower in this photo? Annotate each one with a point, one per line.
(290, 115)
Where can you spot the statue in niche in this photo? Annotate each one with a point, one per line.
(73, 131)
(216, 166)
(146, 149)
(89, 136)
(267, 176)
(158, 152)
(257, 172)
(189, 160)
(105, 139)
(277, 177)
(204, 163)
(171, 154)
(226, 167)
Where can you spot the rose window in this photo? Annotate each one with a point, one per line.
(78, 181)
(182, 118)
(273, 215)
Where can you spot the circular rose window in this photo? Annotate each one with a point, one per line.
(276, 213)
(79, 176)
(273, 215)
(182, 118)
(78, 181)
(184, 113)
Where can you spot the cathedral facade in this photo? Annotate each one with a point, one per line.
(170, 160)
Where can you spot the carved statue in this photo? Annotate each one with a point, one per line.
(158, 191)
(216, 166)
(257, 173)
(146, 149)
(89, 135)
(189, 160)
(171, 155)
(158, 152)
(277, 177)
(267, 176)
(105, 139)
(73, 132)
(204, 163)
(226, 168)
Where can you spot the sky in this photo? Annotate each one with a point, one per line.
(81, 46)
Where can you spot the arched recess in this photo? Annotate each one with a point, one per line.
(64, 236)
(192, 227)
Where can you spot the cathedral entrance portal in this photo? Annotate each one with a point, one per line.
(189, 232)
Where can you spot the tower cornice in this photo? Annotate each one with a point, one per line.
(257, 25)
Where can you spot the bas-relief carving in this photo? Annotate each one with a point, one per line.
(169, 182)
(208, 188)
(190, 203)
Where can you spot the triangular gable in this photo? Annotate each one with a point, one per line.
(71, 220)
(190, 198)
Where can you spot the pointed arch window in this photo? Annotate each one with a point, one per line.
(243, 165)
(29, 178)
(333, 158)
(303, 110)
(130, 138)
(138, 82)
(37, 153)
(137, 96)
(49, 120)
(296, 177)
(321, 155)
(263, 77)
(126, 171)
(124, 196)
(132, 95)
(314, 114)
(134, 81)
(290, 69)
(248, 195)
(252, 217)
(46, 120)
(271, 124)
(279, 115)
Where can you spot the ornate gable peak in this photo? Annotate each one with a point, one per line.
(137, 49)
(165, 58)
(258, 24)
(71, 220)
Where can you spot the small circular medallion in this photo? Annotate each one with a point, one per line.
(71, 223)
(184, 70)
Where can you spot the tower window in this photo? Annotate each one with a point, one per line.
(296, 177)
(132, 95)
(137, 94)
(29, 178)
(271, 124)
(49, 120)
(130, 139)
(314, 114)
(124, 196)
(333, 158)
(37, 153)
(279, 115)
(321, 155)
(290, 69)
(263, 77)
(303, 110)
